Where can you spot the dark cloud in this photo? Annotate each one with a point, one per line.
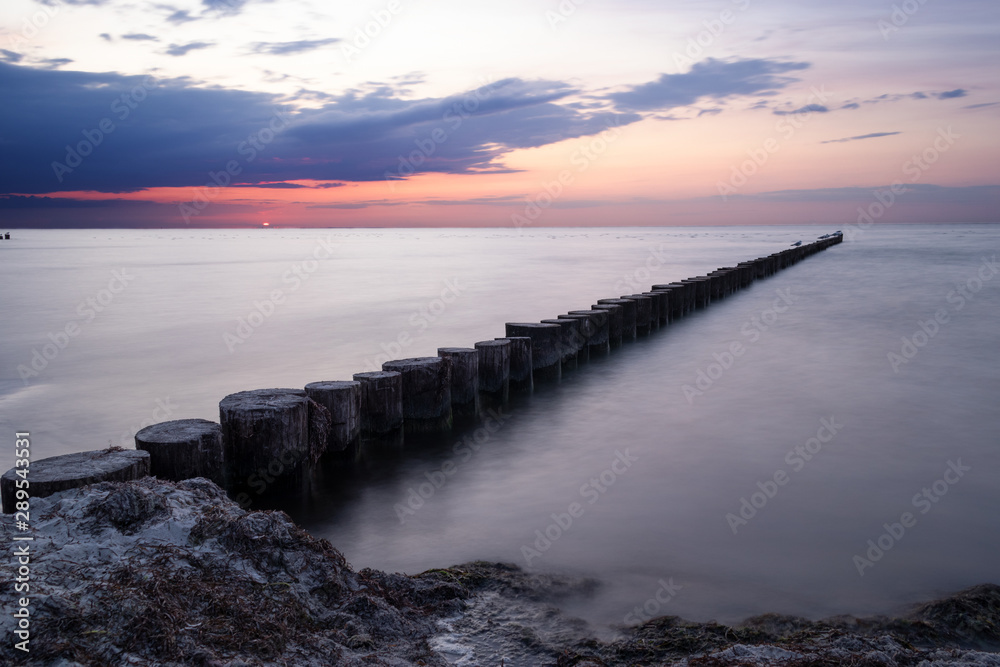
(33, 202)
(10, 56)
(873, 135)
(183, 49)
(951, 94)
(899, 97)
(105, 36)
(181, 16)
(275, 186)
(224, 6)
(53, 63)
(809, 108)
(140, 36)
(981, 105)
(285, 48)
(710, 78)
(178, 133)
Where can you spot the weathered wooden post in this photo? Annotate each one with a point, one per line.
(616, 322)
(381, 405)
(72, 471)
(700, 291)
(272, 432)
(521, 363)
(570, 341)
(426, 393)
(494, 371)
(587, 332)
(184, 449)
(661, 304)
(343, 399)
(677, 299)
(643, 312)
(628, 315)
(546, 352)
(463, 367)
(599, 320)
(655, 302)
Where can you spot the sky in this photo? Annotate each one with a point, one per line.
(440, 113)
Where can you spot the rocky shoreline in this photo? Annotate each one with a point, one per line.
(153, 572)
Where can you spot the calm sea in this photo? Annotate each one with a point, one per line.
(845, 460)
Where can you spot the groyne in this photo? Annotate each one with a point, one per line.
(283, 432)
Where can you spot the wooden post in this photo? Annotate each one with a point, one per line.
(661, 303)
(343, 400)
(597, 339)
(494, 373)
(643, 312)
(628, 316)
(571, 341)
(521, 363)
(463, 367)
(184, 449)
(546, 352)
(426, 393)
(616, 322)
(587, 332)
(381, 405)
(273, 432)
(72, 471)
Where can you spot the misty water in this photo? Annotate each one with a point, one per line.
(160, 338)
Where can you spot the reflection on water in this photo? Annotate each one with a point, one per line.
(753, 480)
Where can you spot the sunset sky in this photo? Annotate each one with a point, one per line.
(220, 113)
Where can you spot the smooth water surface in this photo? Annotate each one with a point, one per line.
(169, 344)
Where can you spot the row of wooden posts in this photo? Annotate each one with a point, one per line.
(275, 432)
